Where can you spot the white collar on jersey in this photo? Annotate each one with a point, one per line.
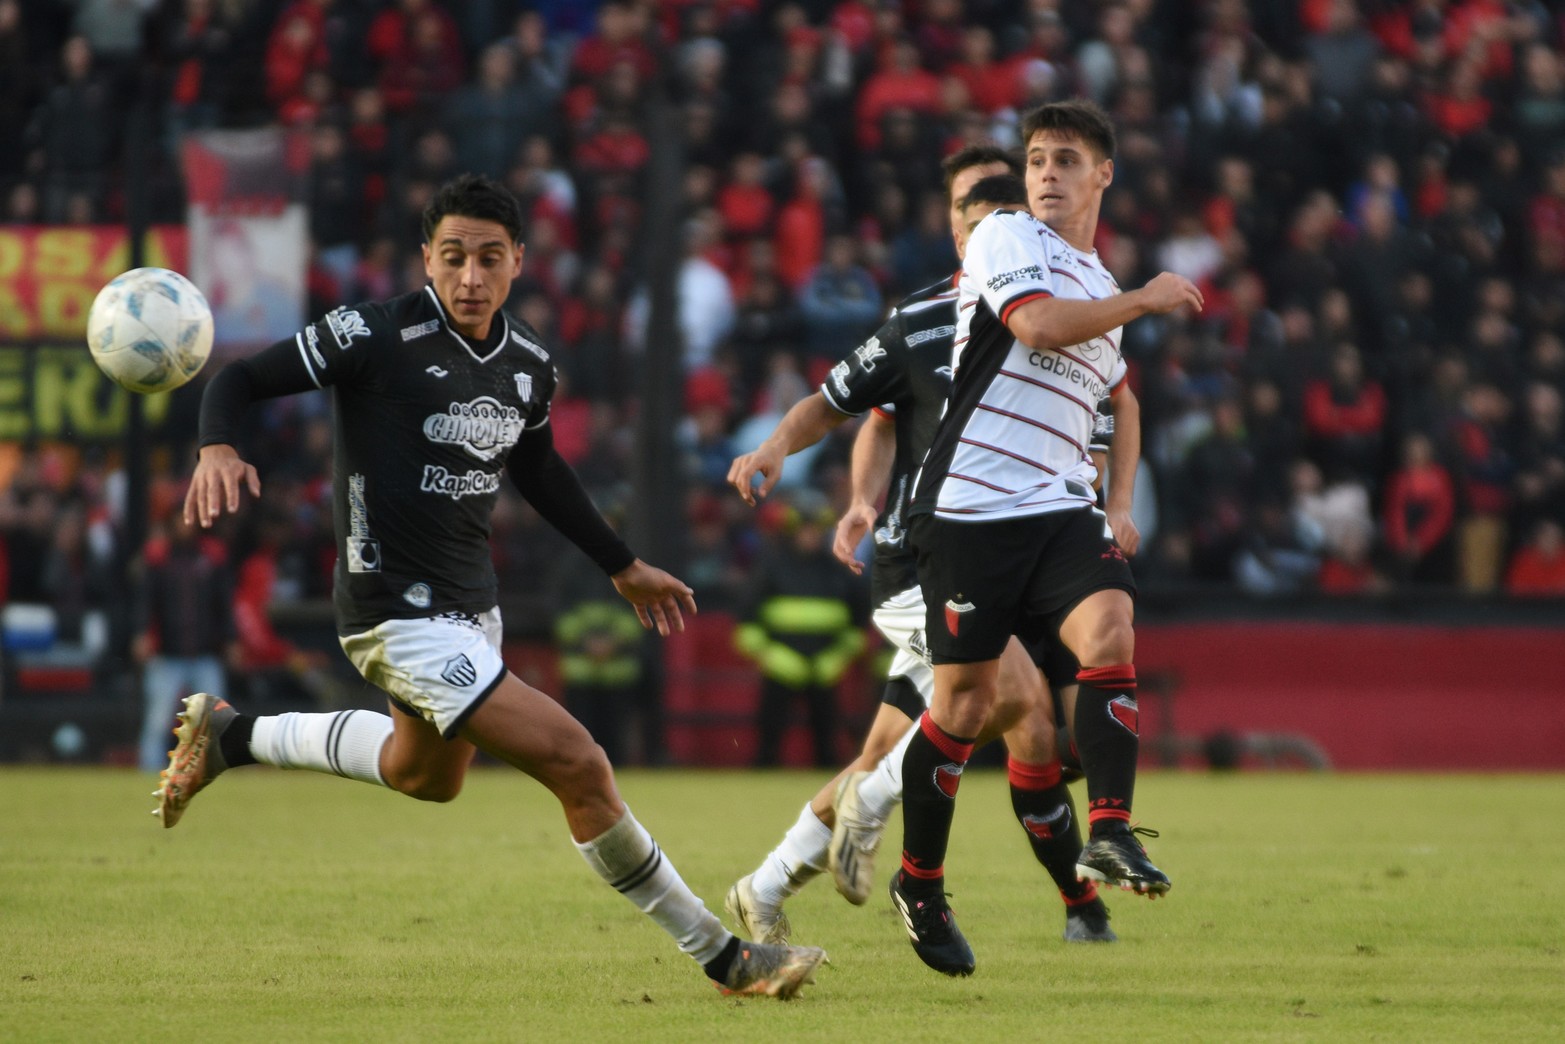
(445, 321)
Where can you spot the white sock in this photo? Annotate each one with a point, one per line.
(881, 791)
(344, 743)
(627, 858)
(790, 866)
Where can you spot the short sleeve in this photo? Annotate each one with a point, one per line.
(1007, 262)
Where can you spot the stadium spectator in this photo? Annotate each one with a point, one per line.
(803, 626)
(74, 134)
(184, 628)
(1420, 506)
(1538, 567)
(840, 301)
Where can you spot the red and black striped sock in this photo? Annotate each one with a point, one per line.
(1108, 737)
(1043, 806)
(931, 772)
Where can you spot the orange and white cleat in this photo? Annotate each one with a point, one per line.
(195, 760)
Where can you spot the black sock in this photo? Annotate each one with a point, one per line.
(1043, 806)
(234, 743)
(931, 772)
(1108, 738)
(717, 968)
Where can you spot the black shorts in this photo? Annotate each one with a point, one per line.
(902, 694)
(1058, 664)
(985, 581)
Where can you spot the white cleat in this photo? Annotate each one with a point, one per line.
(855, 838)
(757, 920)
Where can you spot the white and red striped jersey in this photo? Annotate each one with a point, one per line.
(1014, 438)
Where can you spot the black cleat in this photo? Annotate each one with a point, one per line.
(1114, 856)
(1088, 922)
(932, 927)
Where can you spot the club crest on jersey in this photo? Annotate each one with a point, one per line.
(948, 777)
(1053, 825)
(1123, 709)
(524, 386)
(346, 326)
(459, 671)
(868, 352)
(483, 427)
(954, 612)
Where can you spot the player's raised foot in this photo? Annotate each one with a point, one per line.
(768, 970)
(1088, 922)
(855, 838)
(195, 760)
(755, 918)
(931, 926)
(1114, 856)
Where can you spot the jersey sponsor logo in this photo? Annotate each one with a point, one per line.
(1093, 350)
(346, 326)
(483, 427)
(954, 612)
(459, 671)
(524, 386)
(948, 777)
(525, 343)
(362, 549)
(413, 333)
(999, 279)
(436, 370)
(1046, 828)
(868, 352)
(839, 379)
(312, 341)
(456, 486)
(419, 596)
(1050, 362)
(1123, 709)
(918, 337)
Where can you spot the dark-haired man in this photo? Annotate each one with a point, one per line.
(900, 378)
(435, 394)
(1006, 527)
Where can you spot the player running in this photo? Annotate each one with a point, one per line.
(906, 366)
(1006, 527)
(436, 394)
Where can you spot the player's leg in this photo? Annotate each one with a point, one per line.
(1041, 798)
(755, 900)
(1100, 631)
(525, 728)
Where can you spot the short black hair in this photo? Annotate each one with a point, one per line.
(980, 155)
(1006, 190)
(1076, 118)
(474, 196)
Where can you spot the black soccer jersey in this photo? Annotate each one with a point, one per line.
(424, 421)
(904, 370)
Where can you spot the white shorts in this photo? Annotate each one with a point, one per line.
(440, 668)
(901, 619)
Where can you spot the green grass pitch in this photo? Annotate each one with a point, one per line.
(294, 907)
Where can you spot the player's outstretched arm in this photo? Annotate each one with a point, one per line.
(1124, 460)
(660, 598)
(874, 450)
(214, 487)
(1054, 322)
(809, 421)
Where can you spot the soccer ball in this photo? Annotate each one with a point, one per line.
(150, 330)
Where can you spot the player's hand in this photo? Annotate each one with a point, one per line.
(765, 460)
(855, 522)
(1125, 531)
(659, 597)
(1168, 291)
(215, 485)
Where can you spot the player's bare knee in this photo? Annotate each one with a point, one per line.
(581, 773)
(1112, 641)
(425, 787)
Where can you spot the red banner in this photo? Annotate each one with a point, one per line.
(49, 274)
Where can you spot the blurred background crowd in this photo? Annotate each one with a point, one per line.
(1371, 194)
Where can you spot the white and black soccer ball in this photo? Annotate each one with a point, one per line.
(150, 330)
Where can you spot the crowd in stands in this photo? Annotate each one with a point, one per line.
(1370, 193)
